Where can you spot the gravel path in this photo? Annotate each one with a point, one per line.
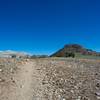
(24, 81)
(25, 85)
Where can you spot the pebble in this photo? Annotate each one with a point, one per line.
(72, 91)
(86, 98)
(76, 87)
(97, 93)
(2, 80)
(0, 70)
(21, 86)
(98, 85)
(98, 97)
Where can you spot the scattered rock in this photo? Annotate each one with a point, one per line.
(2, 80)
(98, 85)
(66, 79)
(98, 97)
(72, 91)
(97, 93)
(1, 70)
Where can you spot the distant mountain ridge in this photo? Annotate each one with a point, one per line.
(11, 53)
(74, 48)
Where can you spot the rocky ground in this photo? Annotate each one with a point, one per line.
(49, 79)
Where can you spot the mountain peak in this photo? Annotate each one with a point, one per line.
(74, 48)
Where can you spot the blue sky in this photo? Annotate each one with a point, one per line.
(44, 26)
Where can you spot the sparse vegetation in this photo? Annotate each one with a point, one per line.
(68, 54)
(13, 56)
(39, 56)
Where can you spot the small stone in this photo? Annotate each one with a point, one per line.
(86, 98)
(97, 93)
(72, 91)
(0, 70)
(21, 86)
(98, 85)
(98, 97)
(96, 73)
(59, 96)
(61, 90)
(11, 69)
(75, 87)
(2, 80)
(13, 80)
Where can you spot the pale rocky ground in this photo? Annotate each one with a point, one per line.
(49, 79)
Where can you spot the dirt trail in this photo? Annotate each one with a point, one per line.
(24, 82)
(27, 83)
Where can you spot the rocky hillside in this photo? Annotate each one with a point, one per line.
(74, 48)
